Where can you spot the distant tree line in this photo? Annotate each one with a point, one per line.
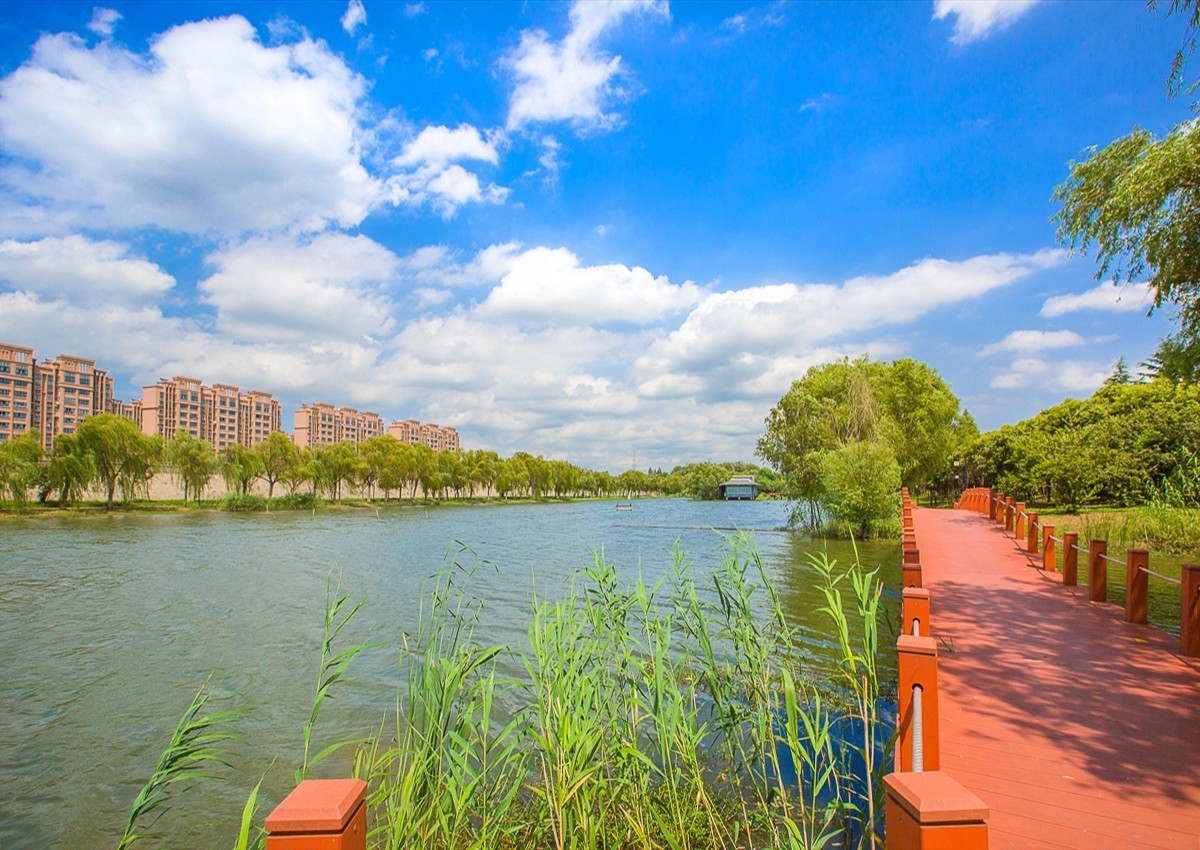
(111, 453)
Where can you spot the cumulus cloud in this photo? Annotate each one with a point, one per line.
(439, 266)
(571, 80)
(1107, 296)
(81, 270)
(1034, 341)
(552, 286)
(1066, 376)
(432, 173)
(333, 287)
(731, 336)
(210, 131)
(104, 21)
(354, 16)
(977, 19)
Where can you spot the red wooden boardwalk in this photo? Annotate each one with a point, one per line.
(1076, 728)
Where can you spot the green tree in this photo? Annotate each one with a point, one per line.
(194, 462)
(20, 468)
(336, 466)
(119, 451)
(859, 482)
(277, 455)
(1138, 202)
(240, 467)
(71, 468)
(904, 404)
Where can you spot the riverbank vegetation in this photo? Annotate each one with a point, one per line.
(688, 713)
(109, 455)
(1129, 445)
(849, 434)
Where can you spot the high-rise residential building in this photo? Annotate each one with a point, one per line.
(323, 424)
(259, 415)
(221, 414)
(408, 431)
(413, 432)
(17, 366)
(67, 391)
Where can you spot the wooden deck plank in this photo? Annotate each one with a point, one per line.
(1078, 729)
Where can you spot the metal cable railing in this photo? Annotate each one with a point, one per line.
(918, 730)
(1035, 533)
(1151, 572)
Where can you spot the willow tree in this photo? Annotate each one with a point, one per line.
(902, 406)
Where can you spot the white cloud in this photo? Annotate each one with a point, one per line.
(210, 131)
(977, 19)
(729, 339)
(436, 268)
(772, 16)
(571, 80)
(1108, 296)
(434, 175)
(414, 10)
(1034, 341)
(820, 103)
(354, 16)
(332, 288)
(1066, 376)
(437, 145)
(550, 285)
(81, 270)
(104, 21)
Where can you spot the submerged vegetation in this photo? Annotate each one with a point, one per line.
(687, 713)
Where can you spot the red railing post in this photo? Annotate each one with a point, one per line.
(1048, 553)
(991, 505)
(914, 609)
(910, 575)
(1031, 541)
(1019, 525)
(1010, 511)
(932, 811)
(1070, 558)
(320, 814)
(1097, 570)
(1137, 585)
(917, 657)
(1189, 614)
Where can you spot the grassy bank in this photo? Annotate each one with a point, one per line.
(253, 503)
(1158, 527)
(685, 714)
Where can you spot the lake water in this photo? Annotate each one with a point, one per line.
(109, 623)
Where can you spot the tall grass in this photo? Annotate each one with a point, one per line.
(676, 714)
(682, 713)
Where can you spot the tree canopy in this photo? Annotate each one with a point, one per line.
(902, 407)
(1123, 445)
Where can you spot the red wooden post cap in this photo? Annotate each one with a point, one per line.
(934, 797)
(317, 806)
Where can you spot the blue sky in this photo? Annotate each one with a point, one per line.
(581, 230)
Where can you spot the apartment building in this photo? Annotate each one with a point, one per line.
(220, 414)
(17, 366)
(408, 431)
(413, 432)
(323, 424)
(67, 390)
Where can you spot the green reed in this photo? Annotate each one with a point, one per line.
(648, 715)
